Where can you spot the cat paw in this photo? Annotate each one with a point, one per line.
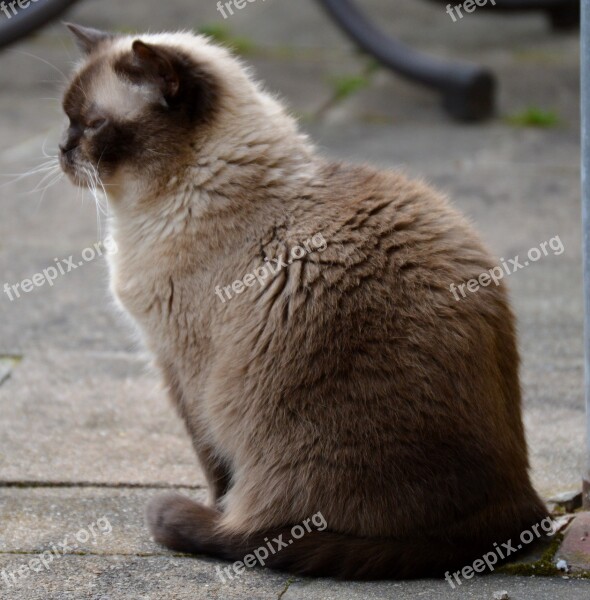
(166, 516)
(179, 523)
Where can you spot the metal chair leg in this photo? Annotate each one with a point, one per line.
(468, 91)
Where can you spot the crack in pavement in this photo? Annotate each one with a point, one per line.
(288, 584)
(83, 553)
(91, 484)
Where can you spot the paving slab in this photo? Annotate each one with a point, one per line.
(36, 519)
(575, 548)
(481, 588)
(136, 578)
(93, 418)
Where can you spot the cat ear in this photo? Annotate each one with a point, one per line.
(87, 38)
(156, 65)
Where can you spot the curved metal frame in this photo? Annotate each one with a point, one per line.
(30, 19)
(468, 90)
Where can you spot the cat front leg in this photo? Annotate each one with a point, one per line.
(216, 473)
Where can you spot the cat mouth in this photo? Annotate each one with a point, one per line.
(68, 166)
(79, 174)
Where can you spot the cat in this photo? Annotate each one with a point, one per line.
(351, 383)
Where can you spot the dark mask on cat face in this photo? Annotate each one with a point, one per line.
(132, 105)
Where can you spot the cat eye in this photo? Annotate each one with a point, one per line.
(95, 124)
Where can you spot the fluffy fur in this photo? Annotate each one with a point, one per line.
(353, 383)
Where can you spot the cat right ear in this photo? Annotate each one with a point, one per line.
(87, 38)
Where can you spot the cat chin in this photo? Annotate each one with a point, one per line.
(75, 179)
(75, 174)
(78, 180)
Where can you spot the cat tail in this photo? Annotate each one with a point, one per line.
(185, 526)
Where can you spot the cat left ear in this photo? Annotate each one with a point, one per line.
(156, 64)
(88, 38)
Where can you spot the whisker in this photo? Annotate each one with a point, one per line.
(65, 77)
(93, 189)
(45, 151)
(41, 166)
(55, 180)
(45, 178)
(45, 168)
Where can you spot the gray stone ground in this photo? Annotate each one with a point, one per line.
(86, 433)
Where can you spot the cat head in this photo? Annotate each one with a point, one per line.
(140, 106)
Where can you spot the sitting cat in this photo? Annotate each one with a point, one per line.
(351, 382)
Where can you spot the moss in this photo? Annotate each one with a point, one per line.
(539, 57)
(222, 35)
(7, 364)
(544, 567)
(347, 85)
(344, 86)
(288, 583)
(534, 117)
(13, 358)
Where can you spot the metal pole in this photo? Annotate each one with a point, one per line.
(585, 106)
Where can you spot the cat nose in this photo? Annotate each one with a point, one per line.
(71, 139)
(66, 147)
